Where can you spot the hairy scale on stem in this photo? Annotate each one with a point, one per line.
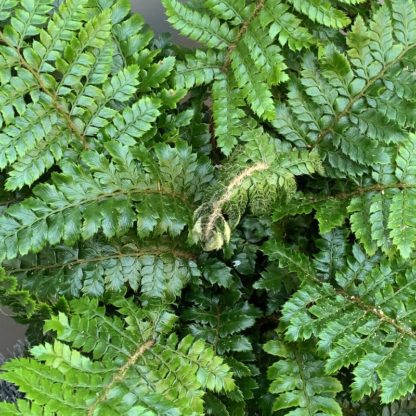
(231, 188)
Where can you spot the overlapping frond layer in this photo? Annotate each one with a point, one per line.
(221, 319)
(345, 103)
(299, 380)
(380, 211)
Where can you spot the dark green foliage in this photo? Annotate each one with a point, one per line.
(223, 231)
(299, 380)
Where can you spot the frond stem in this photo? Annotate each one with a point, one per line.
(156, 251)
(121, 374)
(243, 29)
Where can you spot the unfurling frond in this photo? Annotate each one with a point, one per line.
(262, 174)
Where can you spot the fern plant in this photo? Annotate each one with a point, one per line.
(227, 230)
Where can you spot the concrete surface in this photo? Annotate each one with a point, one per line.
(10, 332)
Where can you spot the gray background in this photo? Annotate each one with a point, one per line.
(153, 12)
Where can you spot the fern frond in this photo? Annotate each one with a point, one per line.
(27, 20)
(246, 51)
(359, 131)
(332, 255)
(199, 27)
(227, 114)
(6, 9)
(135, 352)
(351, 319)
(285, 26)
(198, 70)
(299, 380)
(252, 81)
(213, 319)
(108, 195)
(69, 77)
(404, 21)
(68, 19)
(156, 74)
(294, 261)
(321, 11)
(402, 223)
(134, 122)
(97, 266)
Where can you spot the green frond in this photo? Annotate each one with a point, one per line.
(252, 81)
(228, 114)
(289, 258)
(300, 382)
(404, 21)
(27, 20)
(97, 266)
(359, 207)
(331, 214)
(68, 19)
(156, 74)
(321, 11)
(365, 319)
(6, 9)
(284, 26)
(109, 196)
(380, 217)
(332, 255)
(402, 222)
(77, 60)
(70, 85)
(39, 159)
(137, 365)
(121, 87)
(234, 10)
(18, 137)
(220, 320)
(134, 122)
(199, 69)
(246, 48)
(197, 26)
(332, 115)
